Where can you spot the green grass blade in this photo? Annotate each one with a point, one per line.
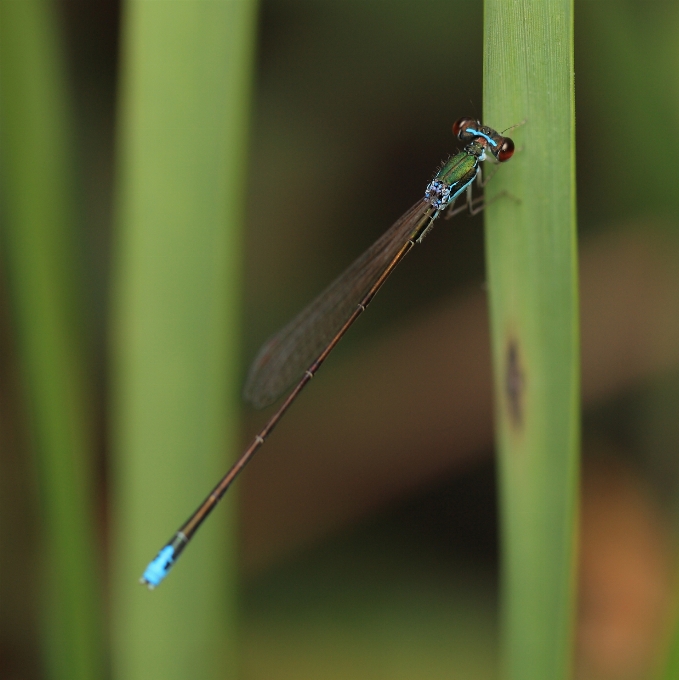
(531, 255)
(671, 669)
(185, 91)
(39, 239)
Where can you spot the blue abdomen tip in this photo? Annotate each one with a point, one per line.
(159, 568)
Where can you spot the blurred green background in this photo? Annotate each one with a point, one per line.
(366, 541)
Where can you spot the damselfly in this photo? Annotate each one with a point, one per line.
(297, 351)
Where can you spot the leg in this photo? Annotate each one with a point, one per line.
(469, 205)
(475, 206)
(476, 209)
(484, 204)
(470, 202)
(483, 182)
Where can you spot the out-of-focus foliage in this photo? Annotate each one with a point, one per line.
(360, 528)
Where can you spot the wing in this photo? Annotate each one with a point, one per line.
(285, 356)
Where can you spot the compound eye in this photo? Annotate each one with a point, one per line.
(506, 150)
(461, 124)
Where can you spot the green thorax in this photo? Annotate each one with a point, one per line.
(459, 169)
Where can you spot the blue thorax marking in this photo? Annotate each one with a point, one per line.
(462, 188)
(478, 133)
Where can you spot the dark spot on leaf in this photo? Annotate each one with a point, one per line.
(514, 383)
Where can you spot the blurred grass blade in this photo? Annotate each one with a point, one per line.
(531, 255)
(671, 670)
(39, 238)
(668, 668)
(182, 142)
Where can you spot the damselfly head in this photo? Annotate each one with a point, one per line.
(469, 130)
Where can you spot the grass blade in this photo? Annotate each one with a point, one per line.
(531, 255)
(185, 91)
(39, 238)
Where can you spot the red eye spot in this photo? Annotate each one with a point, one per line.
(461, 124)
(506, 150)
